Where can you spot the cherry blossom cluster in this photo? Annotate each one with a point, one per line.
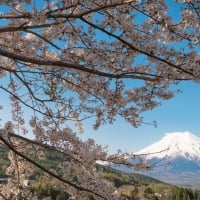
(68, 61)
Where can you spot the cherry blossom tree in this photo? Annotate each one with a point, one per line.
(69, 61)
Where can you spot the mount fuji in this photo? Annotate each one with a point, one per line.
(173, 145)
(182, 151)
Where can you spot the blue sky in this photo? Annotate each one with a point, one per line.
(182, 113)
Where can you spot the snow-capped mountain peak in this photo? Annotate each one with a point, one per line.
(183, 144)
(181, 150)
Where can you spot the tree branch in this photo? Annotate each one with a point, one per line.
(80, 188)
(135, 48)
(67, 65)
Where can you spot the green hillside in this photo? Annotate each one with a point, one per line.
(130, 186)
(4, 162)
(134, 186)
(120, 178)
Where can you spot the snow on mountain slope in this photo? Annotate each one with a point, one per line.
(181, 150)
(181, 144)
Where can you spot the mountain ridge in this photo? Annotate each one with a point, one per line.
(183, 144)
(175, 159)
(182, 150)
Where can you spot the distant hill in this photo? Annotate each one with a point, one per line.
(133, 186)
(121, 178)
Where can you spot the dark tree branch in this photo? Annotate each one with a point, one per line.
(67, 65)
(80, 188)
(135, 48)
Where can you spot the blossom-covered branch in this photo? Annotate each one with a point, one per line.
(69, 61)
